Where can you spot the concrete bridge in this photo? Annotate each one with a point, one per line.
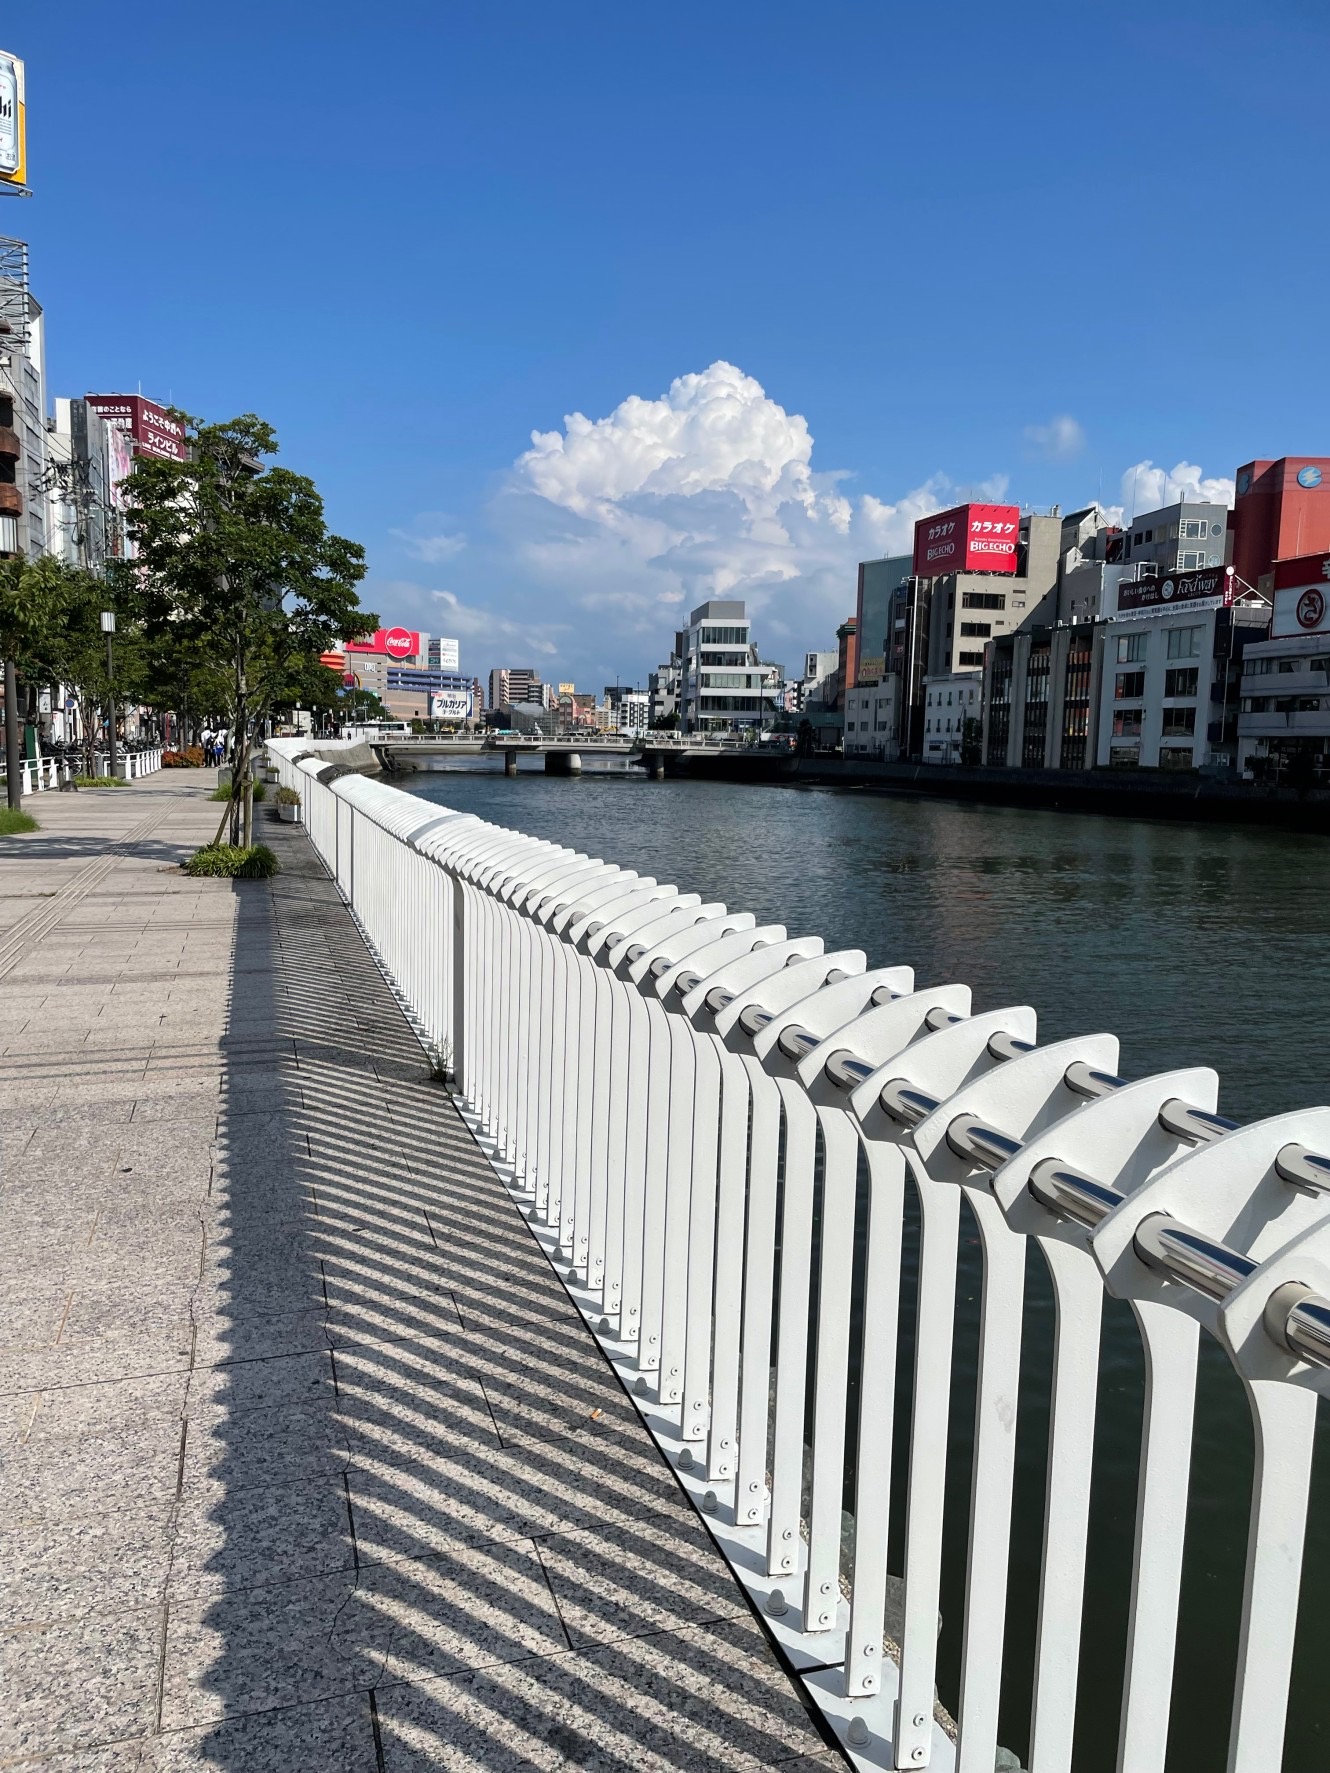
(660, 754)
(722, 1135)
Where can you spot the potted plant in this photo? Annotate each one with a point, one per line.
(288, 805)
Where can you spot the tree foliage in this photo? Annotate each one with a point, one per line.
(237, 571)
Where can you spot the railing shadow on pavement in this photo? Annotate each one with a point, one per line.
(430, 1516)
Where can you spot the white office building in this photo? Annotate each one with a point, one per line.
(949, 701)
(723, 683)
(1170, 683)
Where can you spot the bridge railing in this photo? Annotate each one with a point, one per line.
(723, 1135)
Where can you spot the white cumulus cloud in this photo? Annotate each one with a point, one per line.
(1147, 488)
(1060, 440)
(708, 490)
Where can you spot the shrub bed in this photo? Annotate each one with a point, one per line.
(228, 861)
(224, 793)
(191, 758)
(12, 822)
(101, 782)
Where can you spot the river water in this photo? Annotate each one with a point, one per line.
(1196, 945)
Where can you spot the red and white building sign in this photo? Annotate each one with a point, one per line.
(397, 644)
(967, 539)
(153, 431)
(1302, 597)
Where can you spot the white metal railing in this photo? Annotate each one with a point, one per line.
(683, 1102)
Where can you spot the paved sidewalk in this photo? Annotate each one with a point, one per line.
(306, 1462)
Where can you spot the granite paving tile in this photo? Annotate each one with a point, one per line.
(63, 1567)
(73, 1681)
(617, 1580)
(265, 1446)
(282, 1644)
(474, 1603)
(225, 1539)
(136, 1466)
(644, 1708)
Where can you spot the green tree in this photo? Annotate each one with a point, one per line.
(236, 561)
(51, 629)
(29, 601)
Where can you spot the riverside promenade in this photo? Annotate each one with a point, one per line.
(307, 1463)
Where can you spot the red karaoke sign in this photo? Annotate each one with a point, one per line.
(967, 539)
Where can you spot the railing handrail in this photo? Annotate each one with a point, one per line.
(639, 1065)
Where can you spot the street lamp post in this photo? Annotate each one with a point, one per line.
(108, 629)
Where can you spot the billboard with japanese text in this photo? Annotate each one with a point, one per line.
(450, 705)
(1209, 588)
(150, 427)
(967, 539)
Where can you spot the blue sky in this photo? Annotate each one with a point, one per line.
(1019, 249)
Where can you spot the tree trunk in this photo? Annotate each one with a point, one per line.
(13, 748)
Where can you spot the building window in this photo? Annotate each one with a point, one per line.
(976, 630)
(1184, 643)
(983, 600)
(1179, 723)
(1127, 723)
(1129, 686)
(1132, 648)
(969, 658)
(1180, 681)
(1191, 562)
(1175, 757)
(1123, 757)
(1190, 530)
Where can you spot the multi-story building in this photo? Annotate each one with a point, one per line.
(1281, 512)
(22, 408)
(878, 579)
(968, 608)
(663, 692)
(626, 710)
(1041, 697)
(847, 658)
(722, 680)
(1170, 682)
(410, 693)
(513, 686)
(953, 708)
(818, 682)
(1089, 559)
(870, 724)
(1190, 536)
(86, 459)
(1284, 714)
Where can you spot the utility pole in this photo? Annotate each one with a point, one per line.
(108, 629)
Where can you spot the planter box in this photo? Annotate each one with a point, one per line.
(290, 815)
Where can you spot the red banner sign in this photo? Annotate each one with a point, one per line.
(967, 539)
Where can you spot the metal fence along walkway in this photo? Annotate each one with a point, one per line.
(720, 1133)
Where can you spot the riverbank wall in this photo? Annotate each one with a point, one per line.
(1131, 794)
